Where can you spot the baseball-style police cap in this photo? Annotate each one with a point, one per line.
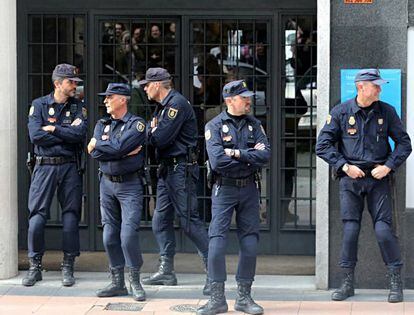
(154, 75)
(67, 71)
(372, 75)
(234, 88)
(117, 88)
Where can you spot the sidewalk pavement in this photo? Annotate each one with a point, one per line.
(283, 295)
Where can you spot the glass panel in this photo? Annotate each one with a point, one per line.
(35, 58)
(49, 29)
(225, 51)
(35, 29)
(35, 87)
(49, 58)
(298, 114)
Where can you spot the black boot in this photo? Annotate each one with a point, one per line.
(207, 286)
(347, 287)
(68, 279)
(117, 285)
(165, 274)
(137, 291)
(244, 302)
(34, 273)
(396, 288)
(217, 303)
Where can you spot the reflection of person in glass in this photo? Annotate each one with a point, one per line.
(296, 107)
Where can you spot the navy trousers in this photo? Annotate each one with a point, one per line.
(172, 190)
(377, 193)
(121, 210)
(245, 202)
(45, 180)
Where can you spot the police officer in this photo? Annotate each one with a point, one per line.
(363, 159)
(57, 126)
(116, 144)
(173, 133)
(237, 147)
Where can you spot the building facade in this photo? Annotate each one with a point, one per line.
(289, 52)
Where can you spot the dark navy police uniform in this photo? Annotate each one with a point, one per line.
(56, 166)
(121, 185)
(175, 140)
(236, 188)
(362, 140)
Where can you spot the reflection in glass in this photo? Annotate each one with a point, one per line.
(298, 121)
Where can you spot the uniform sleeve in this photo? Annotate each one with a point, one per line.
(219, 161)
(402, 142)
(130, 139)
(96, 154)
(326, 144)
(73, 134)
(35, 124)
(169, 126)
(255, 157)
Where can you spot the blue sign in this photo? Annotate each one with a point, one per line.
(390, 92)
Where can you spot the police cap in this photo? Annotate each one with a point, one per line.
(66, 71)
(372, 75)
(117, 88)
(155, 75)
(234, 88)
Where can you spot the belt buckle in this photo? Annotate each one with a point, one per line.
(117, 179)
(239, 182)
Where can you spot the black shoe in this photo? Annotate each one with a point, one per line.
(165, 274)
(244, 302)
(117, 285)
(347, 287)
(396, 287)
(34, 273)
(137, 291)
(68, 279)
(217, 303)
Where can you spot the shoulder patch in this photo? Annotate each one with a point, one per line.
(172, 113)
(84, 112)
(31, 110)
(207, 134)
(140, 126)
(328, 119)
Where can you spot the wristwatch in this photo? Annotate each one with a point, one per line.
(345, 167)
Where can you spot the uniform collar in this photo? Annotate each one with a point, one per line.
(50, 99)
(167, 98)
(126, 117)
(355, 108)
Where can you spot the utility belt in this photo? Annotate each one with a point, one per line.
(54, 160)
(123, 178)
(236, 182)
(171, 161)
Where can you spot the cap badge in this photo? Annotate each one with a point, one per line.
(107, 127)
(380, 121)
(51, 111)
(351, 120)
(225, 128)
(250, 128)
